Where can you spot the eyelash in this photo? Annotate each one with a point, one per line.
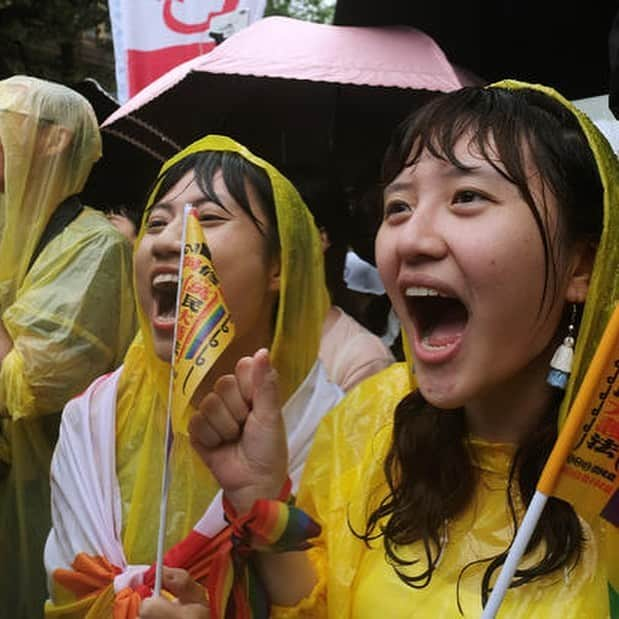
(461, 196)
(154, 223)
(471, 194)
(209, 217)
(394, 207)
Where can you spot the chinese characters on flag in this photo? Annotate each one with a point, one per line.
(204, 328)
(583, 468)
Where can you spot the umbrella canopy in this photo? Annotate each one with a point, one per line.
(297, 93)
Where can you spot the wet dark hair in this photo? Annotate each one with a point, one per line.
(126, 211)
(326, 199)
(236, 170)
(425, 492)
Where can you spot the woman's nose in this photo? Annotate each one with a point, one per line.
(422, 237)
(168, 241)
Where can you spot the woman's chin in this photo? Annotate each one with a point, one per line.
(440, 397)
(163, 350)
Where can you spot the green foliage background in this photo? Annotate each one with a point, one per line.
(308, 10)
(69, 40)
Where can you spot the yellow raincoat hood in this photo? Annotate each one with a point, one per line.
(51, 140)
(604, 286)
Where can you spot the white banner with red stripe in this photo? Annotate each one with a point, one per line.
(153, 36)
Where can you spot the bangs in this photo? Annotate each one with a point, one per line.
(490, 131)
(236, 171)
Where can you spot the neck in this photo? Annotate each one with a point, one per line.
(331, 318)
(510, 411)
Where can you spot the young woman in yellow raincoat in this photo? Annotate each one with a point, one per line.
(499, 238)
(106, 471)
(66, 309)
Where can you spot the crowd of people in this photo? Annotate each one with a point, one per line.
(312, 473)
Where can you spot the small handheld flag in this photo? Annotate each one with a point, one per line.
(583, 467)
(202, 331)
(203, 325)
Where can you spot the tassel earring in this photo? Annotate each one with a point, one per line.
(561, 363)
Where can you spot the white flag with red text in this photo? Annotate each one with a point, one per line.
(153, 36)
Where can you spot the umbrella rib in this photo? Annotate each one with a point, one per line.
(146, 149)
(152, 129)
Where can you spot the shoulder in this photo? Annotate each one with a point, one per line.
(364, 413)
(91, 229)
(89, 408)
(351, 352)
(376, 397)
(87, 249)
(351, 442)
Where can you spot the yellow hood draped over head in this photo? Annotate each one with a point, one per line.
(50, 139)
(604, 285)
(303, 297)
(141, 409)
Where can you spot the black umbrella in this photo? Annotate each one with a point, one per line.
(123, 175)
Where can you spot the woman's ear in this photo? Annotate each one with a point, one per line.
(325, 241)
(275, 275)
(580, 272)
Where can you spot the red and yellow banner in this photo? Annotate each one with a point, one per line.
(204, 328)
(153, 36)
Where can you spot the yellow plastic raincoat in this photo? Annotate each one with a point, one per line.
(303, 302)
(68, 310)
(143, 387)
(345, 469)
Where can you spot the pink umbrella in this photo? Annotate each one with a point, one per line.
(295, 92)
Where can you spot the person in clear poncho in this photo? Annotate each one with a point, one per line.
(107, 467)
(66, 308)
(500, 228)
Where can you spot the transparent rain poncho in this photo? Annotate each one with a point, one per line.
(69, 312)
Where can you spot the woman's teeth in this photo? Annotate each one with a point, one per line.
(165, 278)
(422, 291)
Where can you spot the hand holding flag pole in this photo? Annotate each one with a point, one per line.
(202, 331)
(582, 467)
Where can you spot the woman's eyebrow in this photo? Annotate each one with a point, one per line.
(168, 207)
(165, 206)
(201, 201)
(399, 186)
(473, 171)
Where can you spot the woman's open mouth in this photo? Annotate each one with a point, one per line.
(164, 289)
(439, 321)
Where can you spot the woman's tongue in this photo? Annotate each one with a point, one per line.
(444, 327)
(166, 314)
